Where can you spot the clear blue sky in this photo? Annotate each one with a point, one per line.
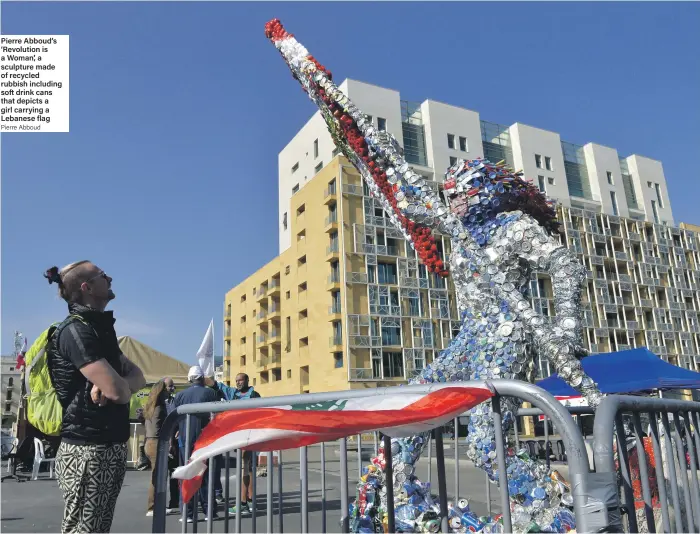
(168, 177)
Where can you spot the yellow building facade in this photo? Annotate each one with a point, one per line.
(349, 306)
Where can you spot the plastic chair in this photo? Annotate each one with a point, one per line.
(39, 458)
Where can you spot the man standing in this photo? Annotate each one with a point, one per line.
(243, 390)
(195, 394)
(94, 382)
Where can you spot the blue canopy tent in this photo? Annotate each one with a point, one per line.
(627, 371)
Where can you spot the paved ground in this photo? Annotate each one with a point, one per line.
(36, 506)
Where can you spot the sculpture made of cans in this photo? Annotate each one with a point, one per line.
(501, 229)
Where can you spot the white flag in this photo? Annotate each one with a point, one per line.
(205, 354)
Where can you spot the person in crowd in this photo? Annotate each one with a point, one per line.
(94, 383)
(242, 391)
(155, 412)
(195, 394)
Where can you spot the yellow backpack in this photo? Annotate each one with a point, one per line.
(44, 411)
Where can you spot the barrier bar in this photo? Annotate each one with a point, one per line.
(188, 424)
(304, 476)
(456, 444)
(643, 472)
(239, 471)
(211, 503)
(344, 502)
(227, 494)
(684, 473)
(695, 494)
(623, 460)
(663, 496)
(269, 484)
(671, 457)
(279, 491)
(501, 459)
(323, 486)
(442, 479)
(254, 479)
(389, 477)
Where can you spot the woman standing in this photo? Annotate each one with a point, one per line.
(154, 413)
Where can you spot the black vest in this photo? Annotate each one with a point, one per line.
(84, 422)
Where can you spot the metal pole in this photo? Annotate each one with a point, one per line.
(546, 441)
(660, 480)
(303, 475)
(188, 424)
(344, 502)
(359, 456)
(227, 495)
(693, 471)
(501, 457)
(442, 479)
(239, 471)
(376, 444)
(323, 486)
(515, 427)
(270, 476)
(279, 490)
(456, 443)
(254, 480)
(210, 493)
(389, 475)
(488, 493)
(683, 473)
(670, 456)
(643, 471)
(430, 459)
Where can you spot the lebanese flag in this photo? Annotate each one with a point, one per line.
(396, 414)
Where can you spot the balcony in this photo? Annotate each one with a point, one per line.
(331, 223)
(274, 288)
(334, 312)
(333, 252)
(261, 317)
(330, 195)
(352, 189)
(441, 312)
(335, 343)
(262, 339)
(361, 374)
(275, 337)
(261, 294)
(227, 333)
(273, 311)
(333, 281)
(357, 278)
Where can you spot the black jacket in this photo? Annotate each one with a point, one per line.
(74, 345)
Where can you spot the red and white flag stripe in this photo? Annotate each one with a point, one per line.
(282, 427)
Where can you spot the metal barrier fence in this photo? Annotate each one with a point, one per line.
(672, 468)
(591, 492)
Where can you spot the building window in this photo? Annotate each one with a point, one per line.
(655, 211)
(649, 185)
(450, 141)
(538, 161)
(381, 124)
(393, 364)
(463, 144)
(337, 360)
(540, 181)
(295, 189)
(288, 295)
(610, 178)
(315, 148)
(318, 168)
(331, 187)
(302, 260)
(295, 167)
(243, 297)
(369, 118)
(658, 195)
(550, 180)
(613, 199)
(301, 209)
(548, 163)
(284, 220)
(289, 373)
(10, 382)
(453, 161)
(387, 273)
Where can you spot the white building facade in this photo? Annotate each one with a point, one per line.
(433, 135)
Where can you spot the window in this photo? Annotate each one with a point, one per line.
(284, 220)
(295, 167)
(463, 144)
(391, 335)
(242, 361)
(658, 195)
(295, 189)
(301, 235)
(289, 373)
(302, 260)
(10, 382)
(318, 168)
(381, 124)
(286, 269)
(540, 181)
(301, 209)
(331, 187)
(453, 161)
(550, 180)
(649, 185)
(450, 141)
(393, 364)
(387, 273)
(242, 298)
(655, 211)
(548, 163)
(315, 148)
(613, 199)
(302, 287)
(610, 178)
(337, 360)
(369, 118)
(538, 161)
(288, 322)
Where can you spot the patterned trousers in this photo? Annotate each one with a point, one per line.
(90, 478)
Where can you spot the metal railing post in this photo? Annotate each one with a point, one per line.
(344, 501)
(389, 477)
(442, 479)
(501, 459)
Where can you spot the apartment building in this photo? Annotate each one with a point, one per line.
(434, 135)
(10, 391)
(347, 304)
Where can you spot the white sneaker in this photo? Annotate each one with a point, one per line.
(149, 513)
(189, 520)
(171, 511)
